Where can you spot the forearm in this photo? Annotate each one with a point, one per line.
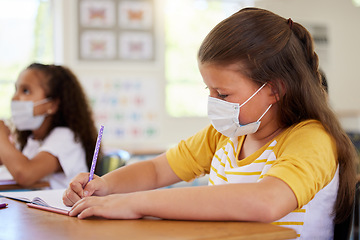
(145, 175)
(14, 160)
(134, 177)
(17, 164)
(27, 171)
(197, 203)
(230, 202)
(265, 201)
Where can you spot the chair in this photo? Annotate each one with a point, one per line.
(355, 230)
(349, 229)
(112, 161)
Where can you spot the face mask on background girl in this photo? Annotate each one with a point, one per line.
(23, 114)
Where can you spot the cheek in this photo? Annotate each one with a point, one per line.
(244, 118)
(21, 97)
(248, 113)
(39, 110)
(25, 98)
(235, 99)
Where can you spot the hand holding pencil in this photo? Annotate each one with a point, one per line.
(86, 184)
(80, 187)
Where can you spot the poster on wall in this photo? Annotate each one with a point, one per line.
(127, 107)
(135, 45)
(116, 30)
(98, 45)
(320, 35)
(97, 14)
(135, 15)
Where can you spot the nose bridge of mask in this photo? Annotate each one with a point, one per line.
(223, 109)
(25, 107)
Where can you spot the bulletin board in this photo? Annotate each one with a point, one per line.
(116, 30)
(129, 108)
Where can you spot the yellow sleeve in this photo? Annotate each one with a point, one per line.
(306, 160)
(192, 158)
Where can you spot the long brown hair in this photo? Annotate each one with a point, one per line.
(279, 51)
(74, 111)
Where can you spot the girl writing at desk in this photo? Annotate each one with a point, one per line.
(275, 151)
(55, 132)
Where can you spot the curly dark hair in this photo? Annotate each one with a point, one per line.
(74, 111)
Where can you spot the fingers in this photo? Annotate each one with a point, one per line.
(83, 206)
(92, 186)
(94, 206)
(70, 198)
(91, 211)
(75, 191)
(116, 206)
(75, 210)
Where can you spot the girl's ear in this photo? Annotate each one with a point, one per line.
(277, 90)
(54, 106)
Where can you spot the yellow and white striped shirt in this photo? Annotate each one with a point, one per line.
(303, 156)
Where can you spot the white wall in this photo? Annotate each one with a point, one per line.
(173, 129)
(341, 18)
(342, 65)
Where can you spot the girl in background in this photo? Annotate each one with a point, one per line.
(55, 132)
(275, 151)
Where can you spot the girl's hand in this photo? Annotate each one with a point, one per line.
(79, 188)
(115, 206)
(4, 130)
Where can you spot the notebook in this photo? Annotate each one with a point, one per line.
(5, 174)
(48, 200)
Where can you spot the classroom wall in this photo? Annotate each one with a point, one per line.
(339, 17)
(171, 130)
(341, 59)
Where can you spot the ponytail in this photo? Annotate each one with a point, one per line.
(307, 42)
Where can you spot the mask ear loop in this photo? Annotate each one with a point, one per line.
(264, 113)
(45, 100)
(253, 95)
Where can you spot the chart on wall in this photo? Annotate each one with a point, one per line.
(127, 107)
(320, 35)
(117, 30)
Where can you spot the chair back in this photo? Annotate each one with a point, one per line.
(112, 161)
(349, 229)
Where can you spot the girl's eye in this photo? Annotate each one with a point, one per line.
(26, 91)
(222, 96)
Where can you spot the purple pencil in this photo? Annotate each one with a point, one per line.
(96, 152)
(3, 205)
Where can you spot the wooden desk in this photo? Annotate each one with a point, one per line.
(20, 222)
(12, 185)
(8, 183)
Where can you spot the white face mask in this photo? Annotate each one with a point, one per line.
(224, 117)
(23, 114)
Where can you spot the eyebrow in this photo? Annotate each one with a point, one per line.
(22, 85)
(221, 89)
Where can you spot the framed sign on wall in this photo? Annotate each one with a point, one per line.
(116, 30)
